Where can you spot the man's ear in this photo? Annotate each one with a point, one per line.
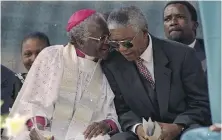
(145, 33)
(78, 44)
(195, 25)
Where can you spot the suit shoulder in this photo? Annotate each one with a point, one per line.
(7, 74)
(174, 51)
(4, 68)
(176, 47)
(6, 71)
(113, 57)
(52, 48)
(51, 51)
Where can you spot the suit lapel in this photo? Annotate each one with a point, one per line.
(199, 48)
(134, 90)
(200, 53)
(162, 75)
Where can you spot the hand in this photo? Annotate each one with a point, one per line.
(96, 129)
(130, 54)
(216, 127)
(36, 135)
(170, 131)
(141, 134)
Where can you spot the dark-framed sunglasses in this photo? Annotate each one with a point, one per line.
(124, 43)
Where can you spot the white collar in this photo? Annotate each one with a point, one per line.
(89, 57)
(192, 44)
(147, 55)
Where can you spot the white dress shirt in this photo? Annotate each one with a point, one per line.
(192, 44)
(147, 56)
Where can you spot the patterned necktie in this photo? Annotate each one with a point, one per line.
(145, 72)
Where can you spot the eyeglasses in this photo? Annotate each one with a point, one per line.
(102, 39)
(125, 43)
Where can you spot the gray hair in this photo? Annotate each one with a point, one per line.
(127, 16)
(80, 32)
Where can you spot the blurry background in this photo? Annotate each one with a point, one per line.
(18, 18)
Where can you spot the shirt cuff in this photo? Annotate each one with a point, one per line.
(113, 127)
(42, 121)
(133, 129)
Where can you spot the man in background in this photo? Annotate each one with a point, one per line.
(180, 24)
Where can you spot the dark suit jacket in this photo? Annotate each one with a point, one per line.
(7, 88)
(18, 85)
(181, 87)
(200, 53)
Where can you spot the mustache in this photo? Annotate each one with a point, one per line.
(175, 29)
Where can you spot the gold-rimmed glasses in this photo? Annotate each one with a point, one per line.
(101, 39)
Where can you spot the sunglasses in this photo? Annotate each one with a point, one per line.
(124, 43)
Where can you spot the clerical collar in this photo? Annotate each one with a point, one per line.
(83, 55)
(80, 53)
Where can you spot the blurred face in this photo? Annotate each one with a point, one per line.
(129, 43)
(178, 25)
(30, 50)
(97, 45)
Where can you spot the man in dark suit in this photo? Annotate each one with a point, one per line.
(153, 78)
(180, 24)
(7, 87)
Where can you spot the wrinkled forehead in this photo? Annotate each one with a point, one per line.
(124, 33)
(175, 9)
